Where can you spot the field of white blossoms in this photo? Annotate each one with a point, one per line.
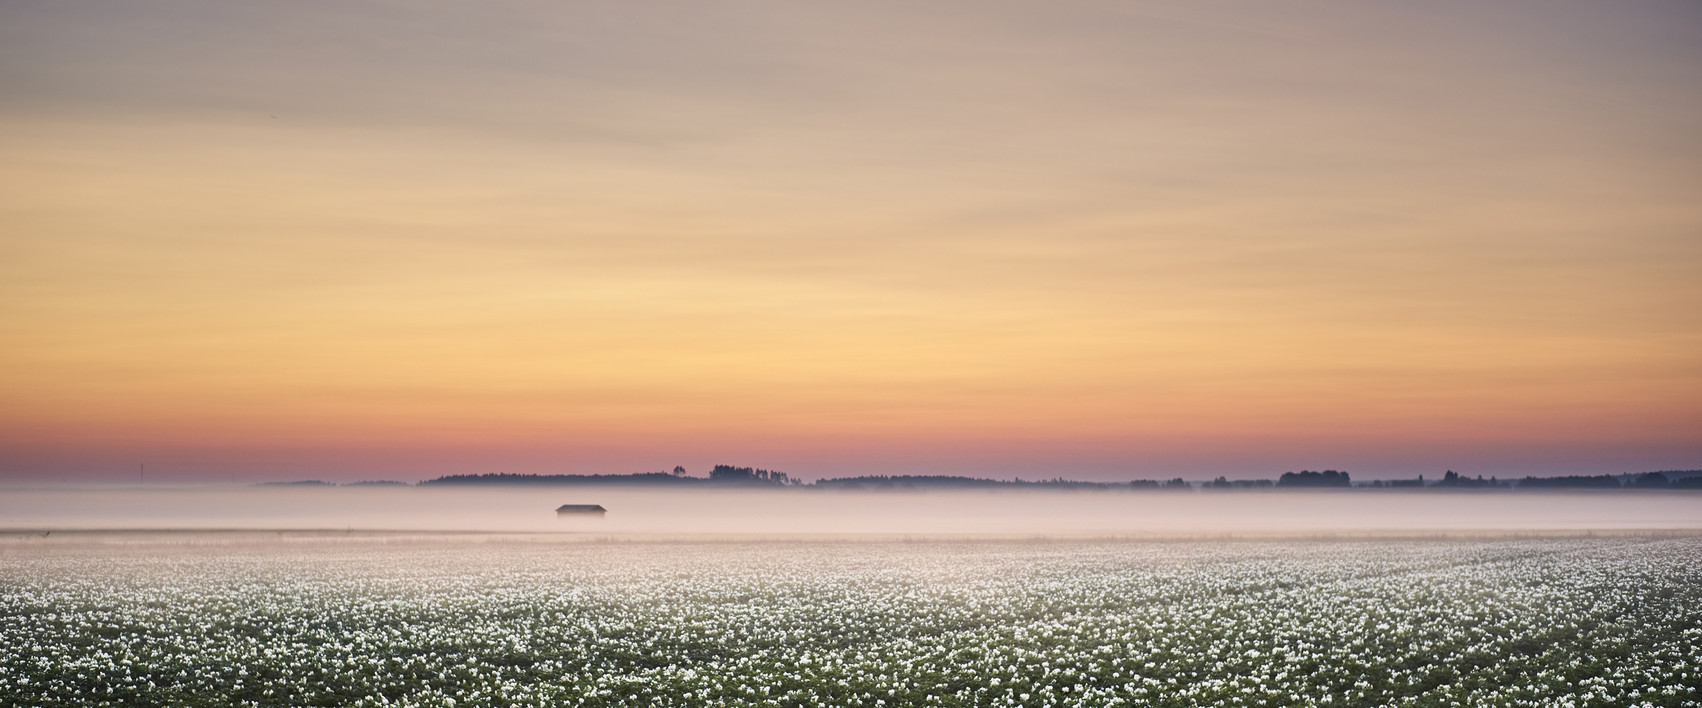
(1510, 622)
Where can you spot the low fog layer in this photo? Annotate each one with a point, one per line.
(787, 512)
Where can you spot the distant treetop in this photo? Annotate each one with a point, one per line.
(746, 475)
(1308, 478)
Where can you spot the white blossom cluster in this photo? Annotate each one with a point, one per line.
(1543, 622)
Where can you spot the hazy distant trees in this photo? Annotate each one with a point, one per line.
(1603, 481)
(1652, 480)
(723, 474)
(747, 475)
(882, 482)
(504, 478)
(1308, 478)
(1682, 478)
(1453, 479)
(931, 481)
(1225, 483)
(730, 475)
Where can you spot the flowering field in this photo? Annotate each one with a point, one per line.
(1582, 622)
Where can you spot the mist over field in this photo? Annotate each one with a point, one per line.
(708, 512)
(220, 595)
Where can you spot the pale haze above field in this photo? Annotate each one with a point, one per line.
(63, 511)
(1098, 240)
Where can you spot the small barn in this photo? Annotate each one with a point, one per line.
(581, 510)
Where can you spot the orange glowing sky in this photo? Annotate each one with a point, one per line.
(1085, 239)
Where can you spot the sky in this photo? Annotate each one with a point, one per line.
(1099, 240)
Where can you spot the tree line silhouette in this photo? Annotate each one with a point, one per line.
(734, 476)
